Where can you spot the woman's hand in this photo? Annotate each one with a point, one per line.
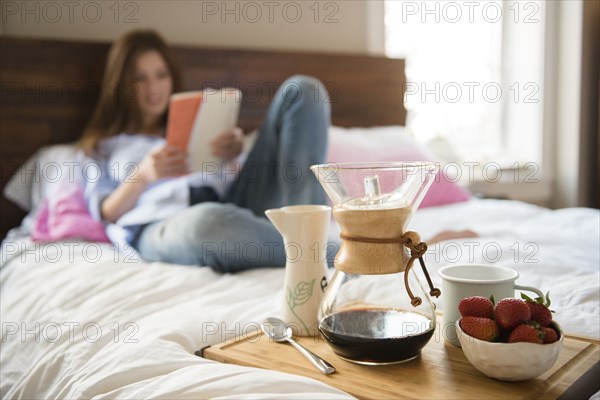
(164, 162)
(228, 145)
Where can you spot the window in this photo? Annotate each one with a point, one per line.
(474, 74)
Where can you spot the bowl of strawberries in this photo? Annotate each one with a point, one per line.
(513, 340)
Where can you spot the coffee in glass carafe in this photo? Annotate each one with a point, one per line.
(375, 310)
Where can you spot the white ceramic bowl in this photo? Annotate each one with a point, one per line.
(510, 361)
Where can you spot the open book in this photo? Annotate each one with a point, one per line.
(196, 118)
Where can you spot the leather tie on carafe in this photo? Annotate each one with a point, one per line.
(417, 249)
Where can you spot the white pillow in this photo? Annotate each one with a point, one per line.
(48, 166)
(380, 143)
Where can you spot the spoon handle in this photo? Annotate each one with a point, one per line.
(317, 361)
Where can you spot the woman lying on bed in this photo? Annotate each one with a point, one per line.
(209, 220)
(192, 218)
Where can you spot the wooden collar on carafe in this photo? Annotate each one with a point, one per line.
(417, 249)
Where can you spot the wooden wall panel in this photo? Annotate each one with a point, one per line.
(48, 89)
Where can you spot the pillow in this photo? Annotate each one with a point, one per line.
(43, 171)
(391, 143)
(64, 215)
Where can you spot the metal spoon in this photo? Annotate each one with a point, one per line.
(276, 330)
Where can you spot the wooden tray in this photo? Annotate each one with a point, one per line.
(442, 371)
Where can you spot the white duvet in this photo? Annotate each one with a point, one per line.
(85, 321)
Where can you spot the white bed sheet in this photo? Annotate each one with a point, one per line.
(172, 311)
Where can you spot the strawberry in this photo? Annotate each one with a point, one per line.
(511, 312)
(540, 313)
(551, 335)
(476, 306)
(480, 328)
(526, 333)
(539, 309)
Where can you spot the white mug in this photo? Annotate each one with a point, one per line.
(460, 281)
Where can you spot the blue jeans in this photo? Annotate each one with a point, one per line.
(235, 235)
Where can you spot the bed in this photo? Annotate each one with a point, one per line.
(83, 320)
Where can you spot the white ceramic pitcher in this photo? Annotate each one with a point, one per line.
(304, 231)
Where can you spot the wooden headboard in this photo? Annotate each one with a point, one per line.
(49, 88)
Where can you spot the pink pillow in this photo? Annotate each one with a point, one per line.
(391, 143)
(64, 215)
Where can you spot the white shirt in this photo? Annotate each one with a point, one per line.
(116, 158)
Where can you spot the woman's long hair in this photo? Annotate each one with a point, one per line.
(117, 109)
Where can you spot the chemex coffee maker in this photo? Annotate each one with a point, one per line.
(375, 310)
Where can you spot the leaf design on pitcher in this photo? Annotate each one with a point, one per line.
(303, 292)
